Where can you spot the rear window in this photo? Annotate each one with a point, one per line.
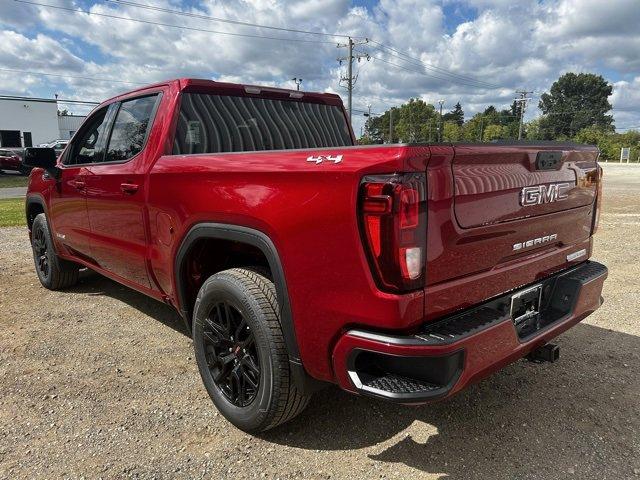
(222, 123)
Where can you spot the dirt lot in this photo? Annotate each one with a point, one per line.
(100, 381)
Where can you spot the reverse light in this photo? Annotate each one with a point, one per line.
(393, 222)
(412, 262)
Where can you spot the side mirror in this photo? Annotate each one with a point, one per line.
(40, 157)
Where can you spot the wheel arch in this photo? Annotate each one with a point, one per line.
(261, 241)
(34, 205)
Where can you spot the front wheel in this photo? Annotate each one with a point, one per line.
(53, 272)
(240, 351)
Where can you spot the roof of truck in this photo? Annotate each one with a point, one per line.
(200, 84)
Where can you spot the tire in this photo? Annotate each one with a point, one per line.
(236, 327)
(53, 272)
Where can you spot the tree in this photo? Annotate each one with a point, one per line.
(456, 115)
(533, 130)
(576, 101)
(493, 132)
(473, 128)
(415, 121)
(610, 143)
(451, 132)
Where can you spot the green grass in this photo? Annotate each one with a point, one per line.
(12, 212)
(12, 180)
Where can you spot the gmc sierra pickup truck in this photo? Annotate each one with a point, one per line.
(297, 259)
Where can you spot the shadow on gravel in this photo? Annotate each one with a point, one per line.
(526, 421)
(92, 283)
(523, 421)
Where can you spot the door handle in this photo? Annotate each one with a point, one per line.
(78, 184)
(129, 188)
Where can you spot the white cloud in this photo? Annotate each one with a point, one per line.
(626, 103)
(513, 44)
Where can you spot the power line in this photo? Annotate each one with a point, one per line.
(111, 80)
(77, 102)
(397, 53)
(58, 100)
(421, 72)
(381, 46)
(224, 20)
(170, 25)
(408, 58)
(459, 78)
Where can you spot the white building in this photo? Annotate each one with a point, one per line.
(68, 125)
(27, 122)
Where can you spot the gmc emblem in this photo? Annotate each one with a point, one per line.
(540, 194)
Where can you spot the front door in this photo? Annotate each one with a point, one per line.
(115, 194)
(68, 207)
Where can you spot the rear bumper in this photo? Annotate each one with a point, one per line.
(447, 355)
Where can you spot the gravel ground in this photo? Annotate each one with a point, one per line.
(100, 382)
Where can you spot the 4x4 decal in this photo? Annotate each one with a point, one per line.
(323, 158)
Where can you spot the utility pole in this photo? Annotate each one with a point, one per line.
(350, 79)
(297, 81)
(481, 127)
(368, 115)
(391, 125)
(522, 101)
(441, 102)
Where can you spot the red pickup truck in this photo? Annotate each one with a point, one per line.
(297, 259)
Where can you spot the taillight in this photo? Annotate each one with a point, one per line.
(598, 207)
(393, 222)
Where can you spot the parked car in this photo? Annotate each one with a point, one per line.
(57, 145)
(297, 259)
(11, 160)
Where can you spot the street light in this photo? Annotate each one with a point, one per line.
(297, 81)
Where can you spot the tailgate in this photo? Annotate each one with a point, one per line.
(496, 183)
(503, 216)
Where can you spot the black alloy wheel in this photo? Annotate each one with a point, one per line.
(41, 252)
(231, 354)
(241, 352)
(53, 272)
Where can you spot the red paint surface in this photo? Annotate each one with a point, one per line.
(485, 352)
(309, 212)
(10, 162)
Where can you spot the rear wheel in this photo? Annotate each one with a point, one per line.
(241, 353)
(53, 272)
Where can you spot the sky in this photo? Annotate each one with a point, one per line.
(476, 52)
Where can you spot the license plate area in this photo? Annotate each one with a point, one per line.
(525, 306)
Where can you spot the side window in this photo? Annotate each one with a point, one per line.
(130, 128)
(87, 148)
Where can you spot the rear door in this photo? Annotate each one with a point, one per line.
(115, 193)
